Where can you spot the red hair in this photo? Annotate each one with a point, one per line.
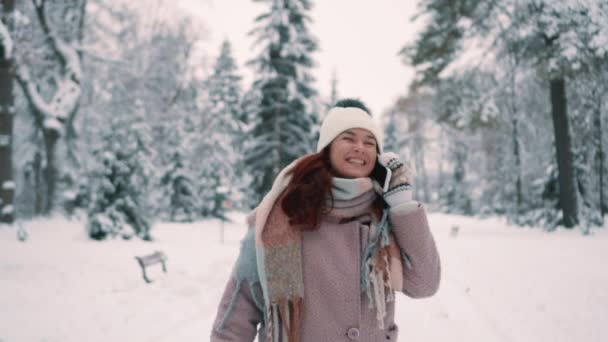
(305, 201)
(306, 197)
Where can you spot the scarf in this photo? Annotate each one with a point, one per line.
(278, 256)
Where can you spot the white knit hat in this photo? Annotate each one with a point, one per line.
(339, 119)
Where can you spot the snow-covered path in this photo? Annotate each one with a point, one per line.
(499, 284)
(511, 284)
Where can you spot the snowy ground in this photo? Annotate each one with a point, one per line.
(499, 283)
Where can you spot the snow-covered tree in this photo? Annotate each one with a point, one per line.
(455, 195)
(120, 183)
(222, 132)
(52, 88)
(587, 102)
(333, 96)
(406, 133)
(224, 91)
(391, 134)
(283, 122)
(150, 69)
(213, 165)
(181, 191)
(559, 40)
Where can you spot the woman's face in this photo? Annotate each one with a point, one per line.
(352, 154)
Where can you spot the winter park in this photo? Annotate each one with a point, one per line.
(142, 142)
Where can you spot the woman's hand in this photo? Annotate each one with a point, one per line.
(399, 189)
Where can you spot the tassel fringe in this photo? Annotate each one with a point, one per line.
(375, 272)
(285, 323)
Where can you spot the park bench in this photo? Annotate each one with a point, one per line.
(147, 260)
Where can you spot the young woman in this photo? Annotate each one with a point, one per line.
(330, 244)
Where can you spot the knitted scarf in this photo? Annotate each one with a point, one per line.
(278, 254)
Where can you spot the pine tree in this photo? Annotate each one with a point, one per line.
(118, 197)
(283, 124)
(180, 191)
(455, 196)
(333, 96)
(391, 141)
(226, 119)
(224, 91)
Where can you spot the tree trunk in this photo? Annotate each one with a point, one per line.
(442, 147)
(51, 137)
(423, 176)
(517, 155)
(516, 142)
(461, 195)
(599, 156)
(417, 167)
(38, 184)
(7, 183)
(568, 196)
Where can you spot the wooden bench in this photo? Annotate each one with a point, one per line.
(154, 258)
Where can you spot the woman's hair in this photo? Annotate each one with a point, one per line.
(306, 198)
(305, 201)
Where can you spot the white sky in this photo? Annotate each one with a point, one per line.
(359, 38)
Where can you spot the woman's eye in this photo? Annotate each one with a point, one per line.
(348, 138)
(370, 143)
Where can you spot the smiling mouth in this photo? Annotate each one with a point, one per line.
(355, 161)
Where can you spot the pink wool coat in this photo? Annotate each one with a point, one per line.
(335, 308)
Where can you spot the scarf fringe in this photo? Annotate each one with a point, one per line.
(284, 323)
(375, 274)
(380, 290)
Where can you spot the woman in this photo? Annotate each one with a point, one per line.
(327, 247)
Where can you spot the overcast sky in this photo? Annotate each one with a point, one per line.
(360, 39)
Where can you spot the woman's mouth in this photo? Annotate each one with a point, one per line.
(355, 161)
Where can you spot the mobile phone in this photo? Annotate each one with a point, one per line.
(382, 174)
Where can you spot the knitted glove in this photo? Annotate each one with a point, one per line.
(399, 190)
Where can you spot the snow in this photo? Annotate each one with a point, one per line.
(6, 41)
(5, 140)
(70, 56)
(70, 195)
(499, 283)
(8, 185)
(7, 210)
(51, 123)
(39, 103)
(65, 99)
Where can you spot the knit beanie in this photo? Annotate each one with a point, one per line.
(339, 119)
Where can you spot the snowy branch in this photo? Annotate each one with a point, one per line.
(62, 106)
(65, 51)
(89, 51)
(34, 97)
(54, 113)
(69, 55)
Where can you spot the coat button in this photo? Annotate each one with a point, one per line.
(353, 334)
